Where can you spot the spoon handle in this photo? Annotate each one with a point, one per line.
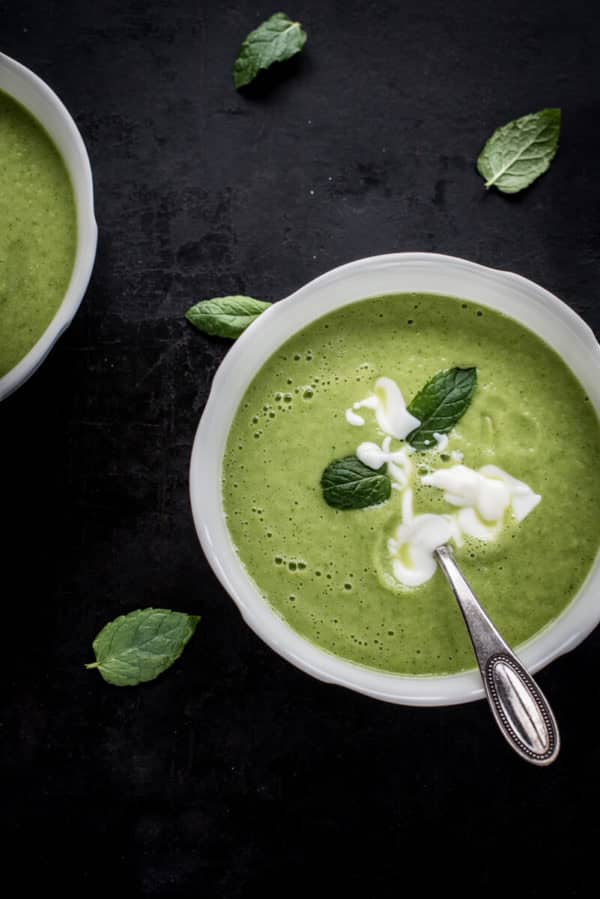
(520, 708)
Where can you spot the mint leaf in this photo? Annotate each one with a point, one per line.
(519, 152)
(348, 484)
(225, 316)
(141, 645)
(275, 40)
(440, 404)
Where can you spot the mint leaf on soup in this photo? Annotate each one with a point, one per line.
(275, 40)
(225, 316)
(519, 152)
(141, 645)
(440, 405)
(348, 484)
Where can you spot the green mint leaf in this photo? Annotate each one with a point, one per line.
(275, 40)
(519, 152)
(141, 645)
(348, 484)
(225, 316)
(440, 404)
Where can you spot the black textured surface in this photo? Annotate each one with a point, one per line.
(235, 773)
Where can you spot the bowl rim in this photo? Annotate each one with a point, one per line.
(87, 229)
(260, 616)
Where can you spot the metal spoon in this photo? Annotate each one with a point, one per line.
(520, 708)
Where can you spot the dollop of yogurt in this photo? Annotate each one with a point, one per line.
(399, 466)
(390, 410)
(463, 486)
(482, 498)
(489, 491)
(412, 545)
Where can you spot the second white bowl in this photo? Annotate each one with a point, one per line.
(34, 94)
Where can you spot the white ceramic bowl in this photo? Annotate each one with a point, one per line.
(35, 95)
(534, 307)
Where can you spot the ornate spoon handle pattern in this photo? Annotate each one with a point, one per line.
(520, 708)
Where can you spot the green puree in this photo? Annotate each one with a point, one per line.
(37, 231)
(323, 570)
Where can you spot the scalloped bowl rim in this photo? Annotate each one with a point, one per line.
(512, 294)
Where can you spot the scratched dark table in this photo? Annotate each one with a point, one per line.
(235, 773)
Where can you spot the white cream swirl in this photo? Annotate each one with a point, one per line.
(390, 410)
(489, 492)
(482, 497)
(411, 548)
(399, 466)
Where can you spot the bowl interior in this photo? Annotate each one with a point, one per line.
(32, 93)
(510, 294)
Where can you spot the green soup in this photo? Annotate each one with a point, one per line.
(321, 569)
(38, 231)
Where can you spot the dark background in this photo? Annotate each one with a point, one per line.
(234, 773)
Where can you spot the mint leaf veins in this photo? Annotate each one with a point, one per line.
(275, 40)
(141, 645)
(520, 151)
(225, 316)
(348, 484)
(440, 405)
